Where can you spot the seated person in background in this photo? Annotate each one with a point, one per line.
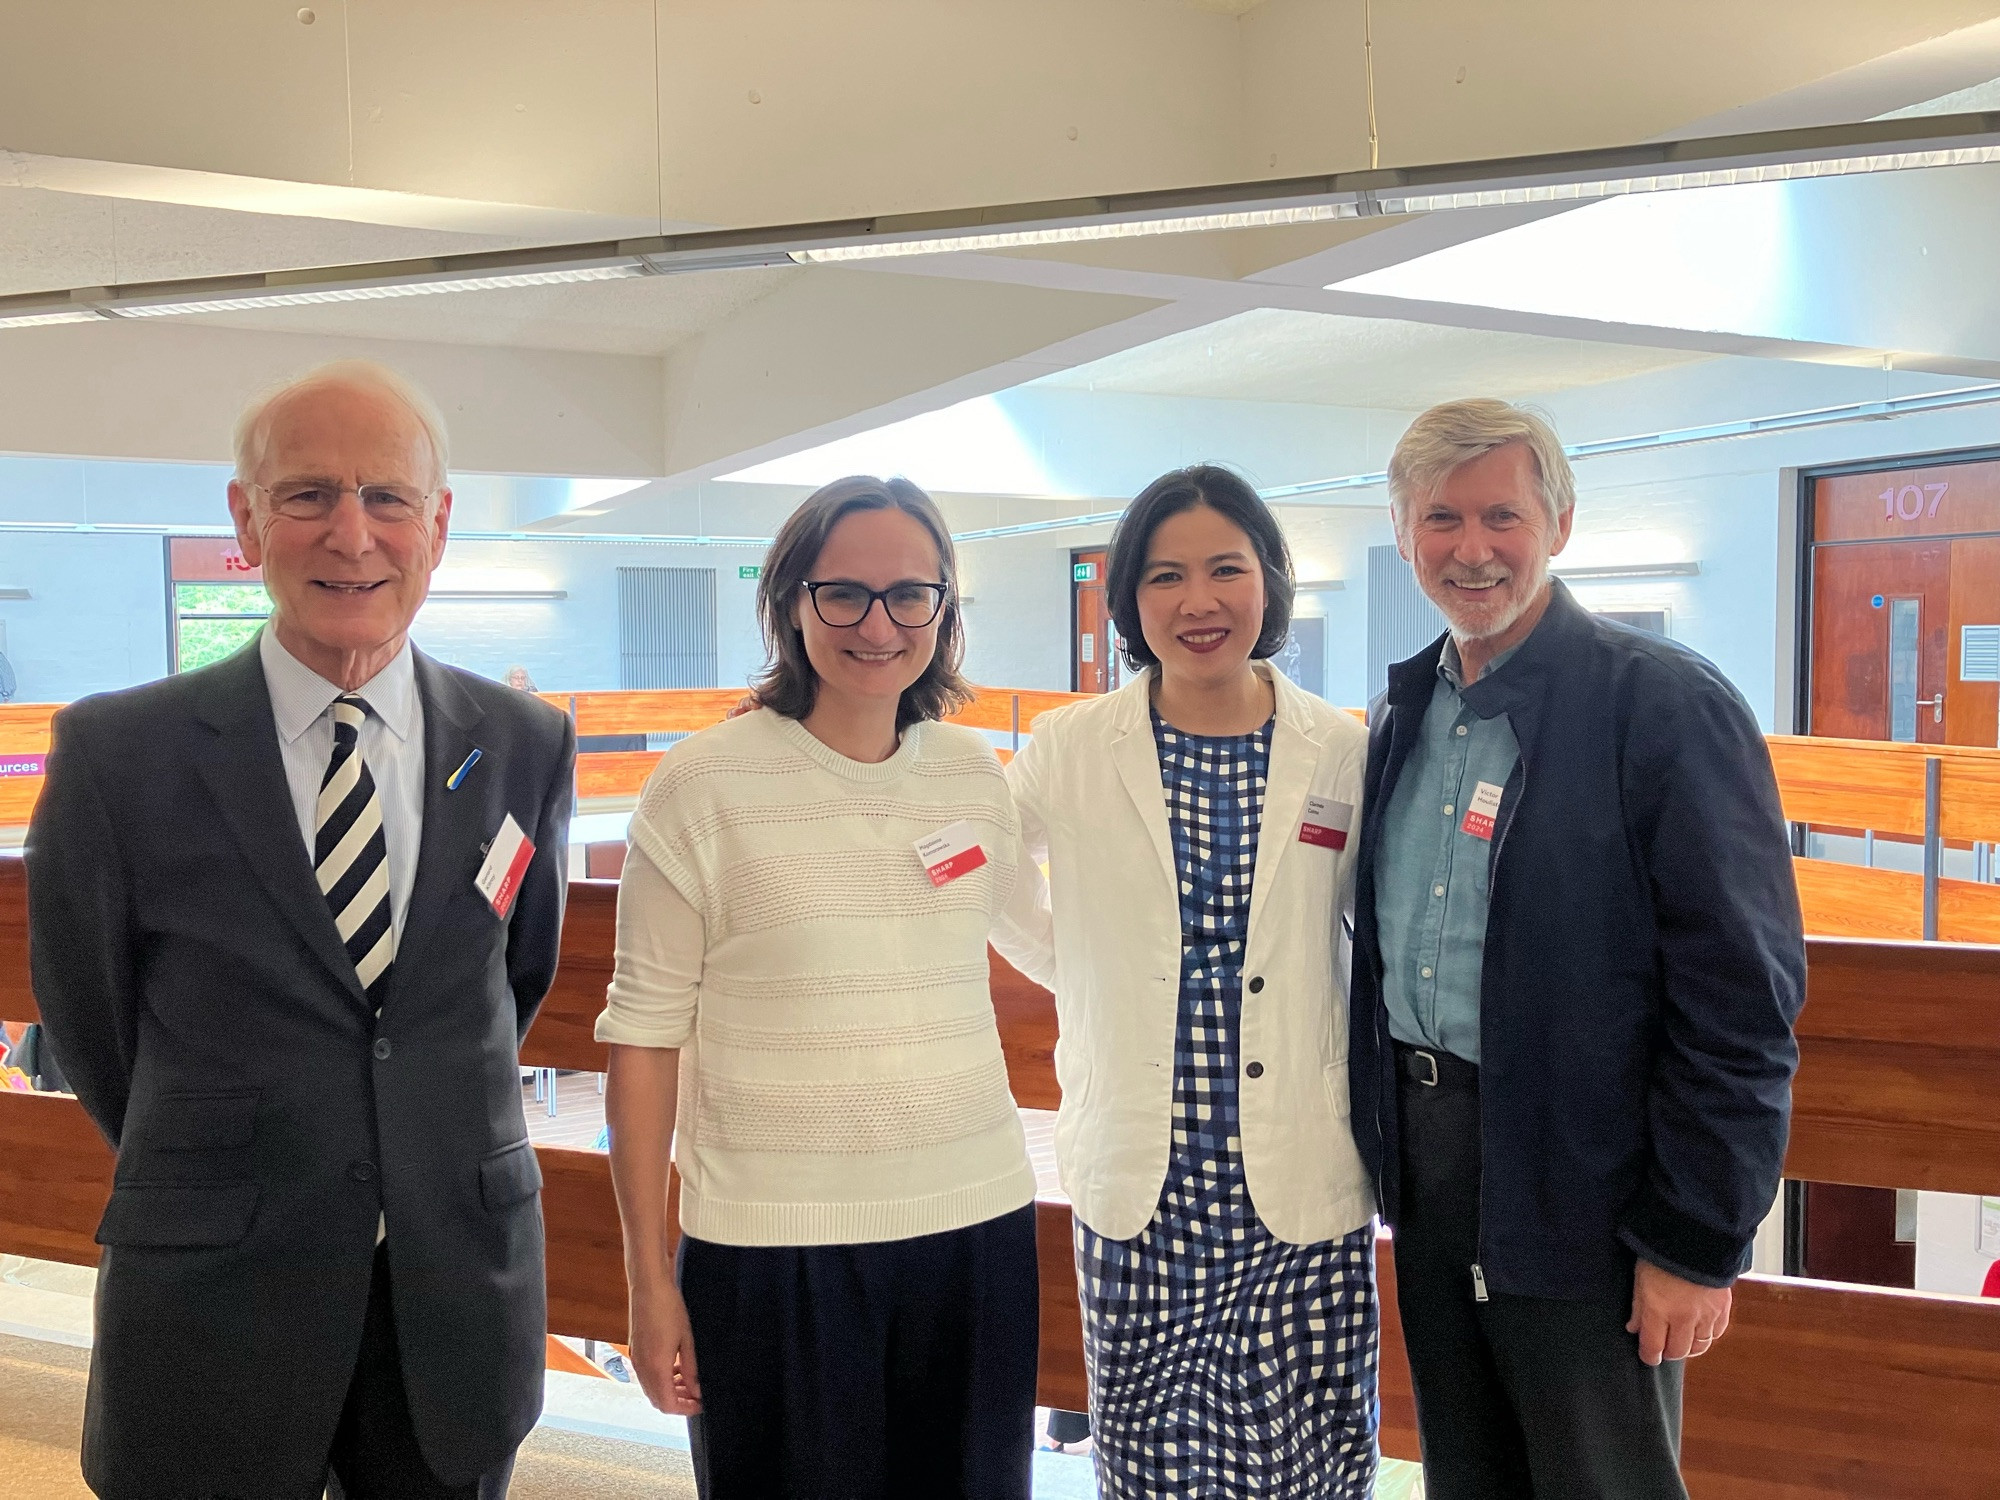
(801, 988)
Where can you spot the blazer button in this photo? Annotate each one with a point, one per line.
(381, 1048)
(1257, 985)
(1255, 1070)
(361, 1171)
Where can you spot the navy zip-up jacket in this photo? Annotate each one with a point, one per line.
(1644, 964)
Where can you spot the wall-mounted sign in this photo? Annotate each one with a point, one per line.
(749, 570)
(1913, 502)
(209, 559)
(21, 765)
(1083, 572)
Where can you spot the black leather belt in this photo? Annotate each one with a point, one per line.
(1433, 1067)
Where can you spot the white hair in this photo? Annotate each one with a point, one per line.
(253, 427)
(1447, 438)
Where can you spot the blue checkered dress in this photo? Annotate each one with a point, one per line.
(1223, 1362)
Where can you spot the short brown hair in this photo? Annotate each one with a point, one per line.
(788, 684)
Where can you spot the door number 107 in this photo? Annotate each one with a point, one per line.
(1907, 504)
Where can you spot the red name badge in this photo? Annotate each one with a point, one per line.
(1326, 823)
(499, 878)
(950, 852)
(1483, 809)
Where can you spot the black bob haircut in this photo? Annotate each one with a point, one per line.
(1229, 495)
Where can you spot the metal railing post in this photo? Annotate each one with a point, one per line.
(1933, 844)
(1015, 700)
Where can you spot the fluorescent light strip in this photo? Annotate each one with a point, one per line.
(1612, 187)
(1030, 528)
(37, 319)
(496, 595)
(1621, 572)
(1768, 156)
(372, 293)
(1679, 437)
(1070, 234)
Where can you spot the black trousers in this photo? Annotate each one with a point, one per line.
(903, 1370)
(1528, 1397)
(375, 1454)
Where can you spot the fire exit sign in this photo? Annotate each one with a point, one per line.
(1084, 572)
(749, 570)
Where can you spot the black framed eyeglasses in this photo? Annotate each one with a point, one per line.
(841, 604)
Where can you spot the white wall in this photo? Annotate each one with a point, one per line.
(96, 617)
(1948, 1256)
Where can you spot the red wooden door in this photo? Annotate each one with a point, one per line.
(1880, 632)
(1093, 664)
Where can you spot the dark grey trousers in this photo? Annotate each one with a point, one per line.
(375, 1454)
(1518, 1398)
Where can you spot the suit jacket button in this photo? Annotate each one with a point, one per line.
(361, 1171)
(1257, 985)
(381, 1048)
(1255, 1070)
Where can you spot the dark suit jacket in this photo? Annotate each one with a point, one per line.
(190, 976)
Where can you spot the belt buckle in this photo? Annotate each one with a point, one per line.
(1430, 1058)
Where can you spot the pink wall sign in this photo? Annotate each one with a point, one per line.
(21, 765)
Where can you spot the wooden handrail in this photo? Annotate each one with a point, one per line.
(1879, 785)
(1829, 1390)
(1869, 784)
(1899, 1043)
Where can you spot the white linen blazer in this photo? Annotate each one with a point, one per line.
(1092, 807)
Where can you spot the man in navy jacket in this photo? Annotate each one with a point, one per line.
(1578, 958)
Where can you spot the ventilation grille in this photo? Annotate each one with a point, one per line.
(1979, 653)
(1401, 621)
(666, 627)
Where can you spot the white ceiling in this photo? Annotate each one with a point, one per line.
(1323, 359)
(643, 316)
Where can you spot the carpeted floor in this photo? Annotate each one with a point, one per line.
(41, 1420)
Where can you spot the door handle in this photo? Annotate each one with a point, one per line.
(1936, 706)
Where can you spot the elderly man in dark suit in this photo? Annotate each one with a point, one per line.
(290, 917)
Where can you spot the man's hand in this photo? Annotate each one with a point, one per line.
(1675, 1319)
(663, 1349)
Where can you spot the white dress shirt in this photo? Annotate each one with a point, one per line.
(392, 745)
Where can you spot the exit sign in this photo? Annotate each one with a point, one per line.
(749, 570)
(1084, 572)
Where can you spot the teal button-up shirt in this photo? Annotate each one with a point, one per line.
(1431, 877)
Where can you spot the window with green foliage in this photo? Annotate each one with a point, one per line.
(212, 620)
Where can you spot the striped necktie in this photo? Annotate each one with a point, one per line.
(350, 853)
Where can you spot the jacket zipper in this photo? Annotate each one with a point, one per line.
(1492, 883)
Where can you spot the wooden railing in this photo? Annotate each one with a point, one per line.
(1819, 1390)
(600, 775)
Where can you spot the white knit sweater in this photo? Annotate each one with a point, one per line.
(841, 1073)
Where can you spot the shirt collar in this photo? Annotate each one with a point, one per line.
(299, 695)
(1452, 670)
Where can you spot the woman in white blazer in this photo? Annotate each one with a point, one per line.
(1199, 826)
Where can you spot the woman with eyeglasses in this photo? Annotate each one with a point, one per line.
(1199, 828)
(800, 1006)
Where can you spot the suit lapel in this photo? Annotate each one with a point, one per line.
(1138, 761)
(453, 821)
(245, 772)
(1294, 757)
